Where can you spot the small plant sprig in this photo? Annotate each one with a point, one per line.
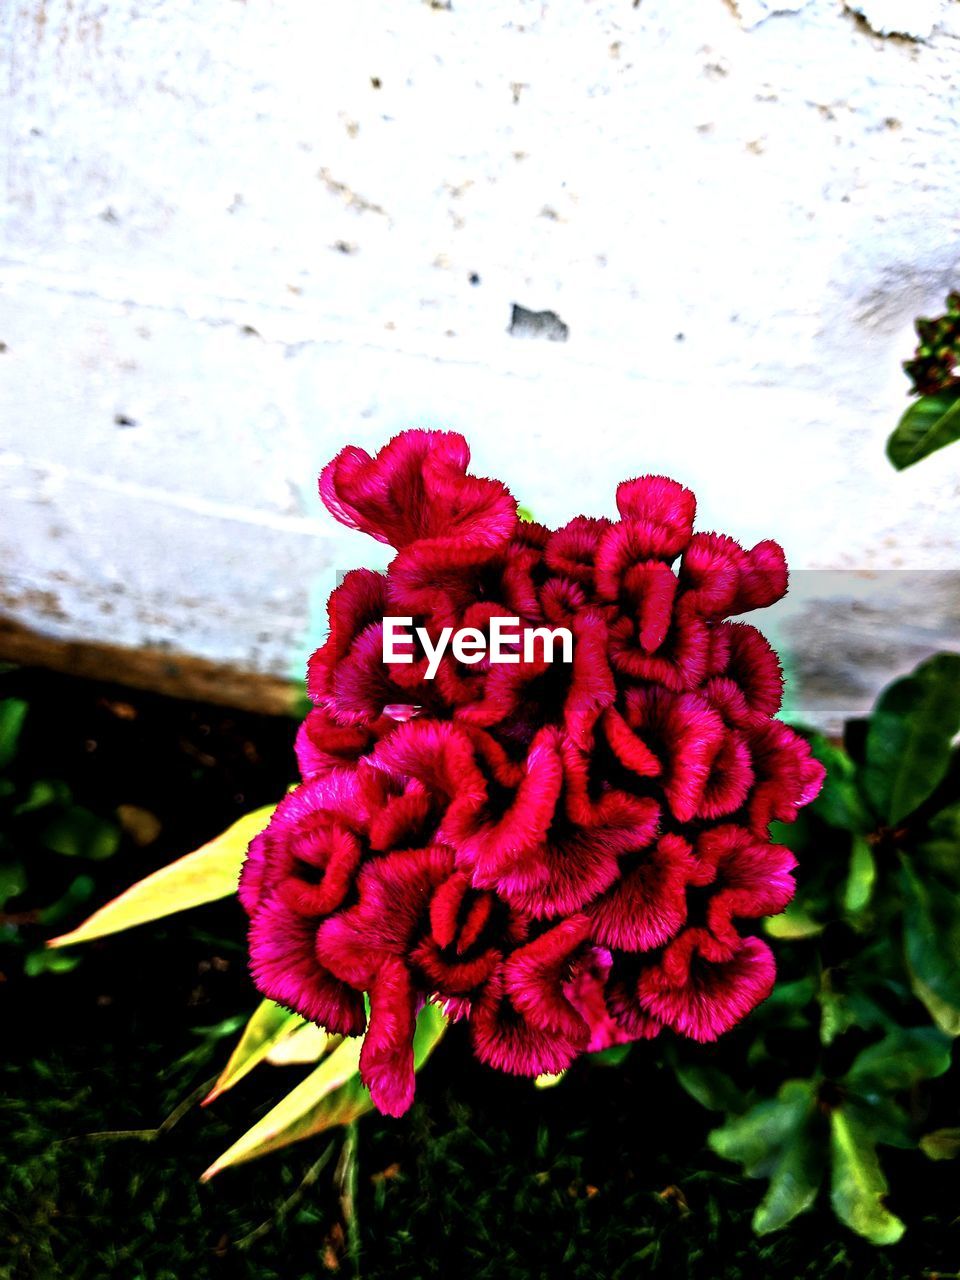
(933, 420)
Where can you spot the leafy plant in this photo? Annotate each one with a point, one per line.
(835, 1066)
(842, 1053)
(933, 421)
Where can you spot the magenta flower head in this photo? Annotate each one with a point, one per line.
(538, 777)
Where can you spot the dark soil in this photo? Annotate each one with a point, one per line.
(606, 1175)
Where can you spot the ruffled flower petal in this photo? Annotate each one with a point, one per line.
(700, 988)
(558, 854)
(504, 1038)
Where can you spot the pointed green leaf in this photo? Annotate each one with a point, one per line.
(942, 1144)
(858, 1186)
(929, 424)
(860, 878)
(211, 872)
(931, 936)
(909, 738)
(331, 1095)
(268, 1026)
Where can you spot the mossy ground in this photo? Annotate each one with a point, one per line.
(606, 1175)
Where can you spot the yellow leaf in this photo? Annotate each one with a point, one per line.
(300, 1114)
(306, 1043)
(268, 1027)
(332, 1094)
(208, 873)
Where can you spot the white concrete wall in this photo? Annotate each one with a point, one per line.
(216, 226)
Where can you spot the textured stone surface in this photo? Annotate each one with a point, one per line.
(238, 236)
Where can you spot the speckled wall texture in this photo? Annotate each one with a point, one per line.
(239, 235)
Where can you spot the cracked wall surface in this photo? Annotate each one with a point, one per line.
(237, 236)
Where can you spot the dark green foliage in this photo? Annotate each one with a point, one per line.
(841, 1056)
(47, 843)
(931, 423)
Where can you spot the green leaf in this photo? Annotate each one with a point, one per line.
(78, 833)
(858, 1186)
(710, 1087)
(931, 938)
(901, 1059)
(887, 1123)
(78, 892)
(794, 1182)
(930, 423)
(793, 924)
(42, 793)
(861, 877)
(939, 852)
(851, 1006)
(208, 873)
(908, 741)
(38, 962)
(612, 1057)
(777, 1139)
(944, 1014)
(13, 712)
(755, 1138)
(839, 803)
(794, 995)
(269, 1025)
(330, 1095)
(942, 1144)
(836, 1013)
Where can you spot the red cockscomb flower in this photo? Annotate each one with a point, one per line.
(562, 854)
